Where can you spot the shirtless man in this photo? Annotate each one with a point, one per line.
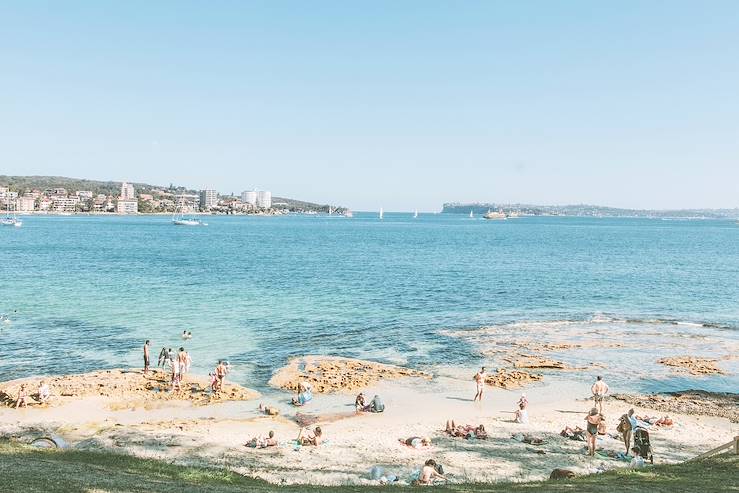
(480, 383)
(429, 473)
(182, 358)
(220, 375)
(22, 397)
(146, 357)
(599, 390)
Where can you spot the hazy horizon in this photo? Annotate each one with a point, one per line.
(401, 106)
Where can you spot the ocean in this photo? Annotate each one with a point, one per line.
(442, 290)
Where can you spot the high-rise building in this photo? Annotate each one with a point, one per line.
(264, 199)
(208, 199)
(127, 191)
(249, 197)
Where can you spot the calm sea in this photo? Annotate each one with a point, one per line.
(84, 292)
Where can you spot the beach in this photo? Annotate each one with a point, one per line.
(214, 434)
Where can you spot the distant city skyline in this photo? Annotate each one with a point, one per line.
(396, 105)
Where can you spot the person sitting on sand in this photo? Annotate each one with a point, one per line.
(22, 396)
(268, 410)
(593, 419)
(416, 442)
(429, 473)
(599, 390)
(376, 405)
(43, 392)
(638, 461)
(306, 438)
(264, 442)
(602, 430)
(359, 403)
(522, 414)
(305, 394)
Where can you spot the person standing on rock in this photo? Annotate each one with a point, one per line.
(480, 383)
(146, 357)
(599, 390)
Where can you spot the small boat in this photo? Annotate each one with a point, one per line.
(179, 218)
(415, 214)
(11, 219)
(495, 215)
(472, 216)
(381, 214)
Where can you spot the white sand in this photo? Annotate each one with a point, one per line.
(215, 434)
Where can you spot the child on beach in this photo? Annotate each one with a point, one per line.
(522, 415)
(638, 461)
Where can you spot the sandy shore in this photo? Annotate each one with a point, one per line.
(214, 434)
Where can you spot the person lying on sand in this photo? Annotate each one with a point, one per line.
(22, 396)
(263, 442)
(430, 473)
(654, 420)
(466, 431)
(306, 438)
(575, 433)
(416, 442)
(43, 392)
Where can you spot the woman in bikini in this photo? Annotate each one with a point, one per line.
(593, 419)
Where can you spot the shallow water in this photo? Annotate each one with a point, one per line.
(84, 292)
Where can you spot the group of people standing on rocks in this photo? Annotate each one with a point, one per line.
(179, 365)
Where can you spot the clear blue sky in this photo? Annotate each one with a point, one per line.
(396, 104)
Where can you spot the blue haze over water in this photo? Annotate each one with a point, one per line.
(83, 292)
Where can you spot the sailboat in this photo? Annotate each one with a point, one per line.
(179, 218)
(380, 212)
(11, 219)
(472, 216)
(415, 214)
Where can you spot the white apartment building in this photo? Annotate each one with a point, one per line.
(249, 197)
(25, 204)
(84, 194)
(264, 199)
(127, 206)
(64, 204)
(208, 199)
(127, 191)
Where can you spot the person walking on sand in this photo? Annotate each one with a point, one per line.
(626, 426)
(182, 360)
(599, 390)
(479, 383)
(146, 357)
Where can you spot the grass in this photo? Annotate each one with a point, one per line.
(28, 469)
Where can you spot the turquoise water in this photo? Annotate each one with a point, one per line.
(84, 292)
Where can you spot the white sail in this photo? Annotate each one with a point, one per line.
(471, 215)
(381, 213)
(415, 214)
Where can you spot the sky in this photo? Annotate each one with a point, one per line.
(401, 105)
